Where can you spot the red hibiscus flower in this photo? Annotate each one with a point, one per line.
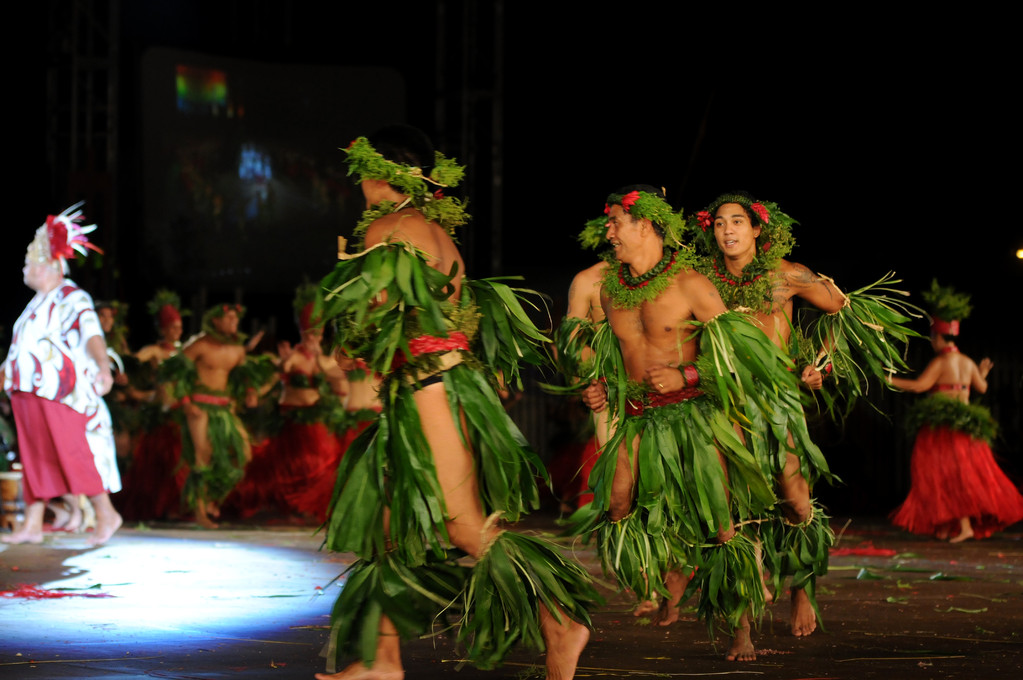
(629, 199)
(439, 194)
(761, 212)
(607, 209)
(703, 219)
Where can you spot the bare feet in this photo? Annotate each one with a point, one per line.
(965, 531)
(31, 529)
(645, 607)
(675, 582)
(67, 514)
(742, 645)
(204, 512)
(803, 619)
(203, 520)
(565, 644)
(965, 534)
(108, 520)
(23, 535)
(105, 528)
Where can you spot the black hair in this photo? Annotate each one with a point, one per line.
(747, 200)
(404, 144)
(641, 187)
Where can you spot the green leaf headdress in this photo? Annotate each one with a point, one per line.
(165, 308)
(640, 205)
(775, 240)
(218, 311)
(424, 189)
(304, 304)
(947, 308)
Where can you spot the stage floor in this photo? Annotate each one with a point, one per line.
(246, 601)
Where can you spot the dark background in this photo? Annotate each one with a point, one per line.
(892, 139)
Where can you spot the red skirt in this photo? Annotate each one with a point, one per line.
(155, 480)
(313, 488)
(54, 452)
(954, 476)
(292, 473)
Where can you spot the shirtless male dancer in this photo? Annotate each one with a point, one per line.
(402, 224)
(650, 300)
(217, 465)
(584, 303)
(738, 222)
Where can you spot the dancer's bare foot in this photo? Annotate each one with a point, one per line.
(964, 535)
(803, 619)
(31, 529)
(23, 535)
(203, 520)
(675, 582)
(565, 642)
(742, 645)
(105, 528)
(61, 515)
(204, 511)
(358, 671)
(67, 514)
(965, 531)
(108, 520)
(645, 608)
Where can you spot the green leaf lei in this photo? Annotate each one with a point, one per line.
(628, 292)
(752, 290)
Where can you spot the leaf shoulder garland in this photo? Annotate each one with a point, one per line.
(752, 290)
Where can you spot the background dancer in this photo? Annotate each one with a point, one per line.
(958, 491)
(292, 471)
(208, 384)
(157, 474)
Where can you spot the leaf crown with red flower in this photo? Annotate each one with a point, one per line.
(640, 205)
(62, 237)
(216, 312)
(774, 242)
(425, 190)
